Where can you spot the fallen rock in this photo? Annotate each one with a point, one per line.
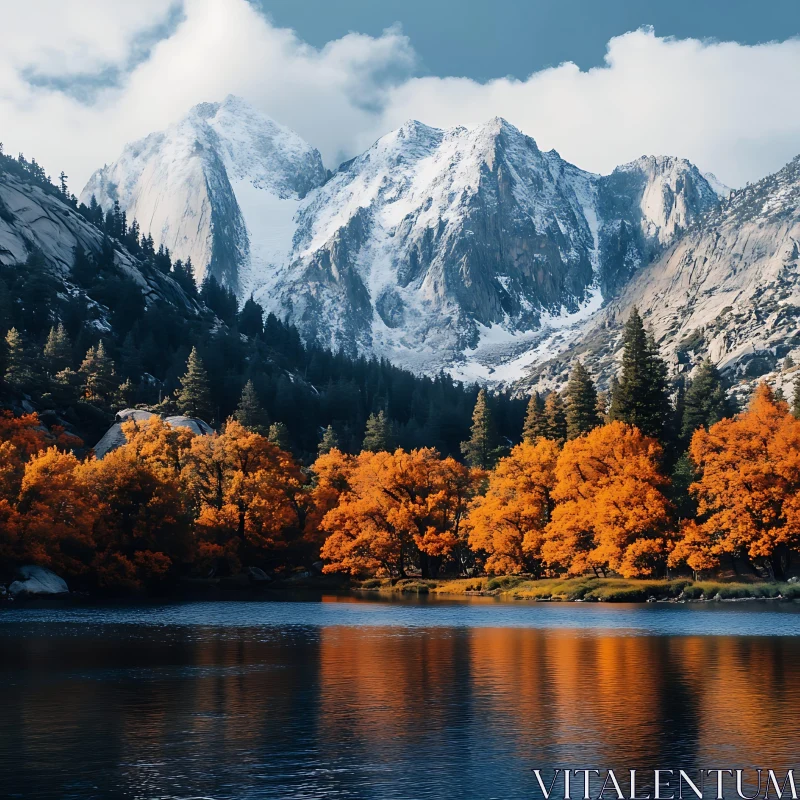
(258, 575)
(35, 581)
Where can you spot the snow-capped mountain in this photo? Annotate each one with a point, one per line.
(220, 187)
(463, 249)
(728, 289)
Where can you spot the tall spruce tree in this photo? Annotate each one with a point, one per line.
(378, 436)
(796, 398)
(20, 372)
(705, 401)
(194, 396)
(535, 425)
(555, 414)
(250, 412)
(57, 350)
(581, 403)
(99, 377)
(480, 450)
(330, 441)
(279, 436)
(641, 397)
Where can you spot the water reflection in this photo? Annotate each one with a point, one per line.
(339, 711)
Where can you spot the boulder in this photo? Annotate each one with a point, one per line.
(258, 575)
(37, 581)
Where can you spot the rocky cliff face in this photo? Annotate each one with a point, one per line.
(219, 187)
(36, 219)
(728, 289)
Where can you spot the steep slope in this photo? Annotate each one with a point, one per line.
(728, 289)
(220, 187)
(34, 218)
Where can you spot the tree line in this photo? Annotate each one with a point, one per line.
(589, 489)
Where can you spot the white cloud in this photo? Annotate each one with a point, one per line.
(730, 108)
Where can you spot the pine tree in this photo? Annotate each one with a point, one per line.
(535, 423)
(250, 413)
(330, 441)
(601, 408)
(194, 396)
(57, 350)
(480, 450)
(97, 371)
(641, 397)
(20, 373)
(378, 436)
(581, 403)
(555, 417)
(279, 436)
(705, 402)
(796, 399)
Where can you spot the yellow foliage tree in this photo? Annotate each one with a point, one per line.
(611, 512)
(508, 522)
(748, 491)
(399, 510)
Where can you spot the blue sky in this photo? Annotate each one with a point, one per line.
(484, 39)
(601, 81)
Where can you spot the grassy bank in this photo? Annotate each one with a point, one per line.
(619, 590)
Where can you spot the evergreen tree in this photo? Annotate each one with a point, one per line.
(250, 413)
(194, 396)
(555, 417)
(279, 436)
(57, 350)
(378, 436)
(641, 397)
(480, 450)
(601, 409)
(99, 379)
(20, 373)
(796, 398)
(330, 441)
(581, 403)
(251, 318)
(535, 422)
(125, 395)
(705, 402)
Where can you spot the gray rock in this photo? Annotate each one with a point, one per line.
(258, 575)
(37, 581)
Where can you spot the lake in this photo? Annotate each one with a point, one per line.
(346, 698)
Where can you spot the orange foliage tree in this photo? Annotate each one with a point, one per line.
(508, 521)
(400, 509)
(143, 529)
(748, 491)
(249, 496)
(611, 512)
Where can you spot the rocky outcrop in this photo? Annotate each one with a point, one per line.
(33, 581)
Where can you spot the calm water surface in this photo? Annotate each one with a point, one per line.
(362, 699)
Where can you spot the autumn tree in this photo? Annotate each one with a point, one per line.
(581, 416)
(194, 396)
(480, 450)
(508, 522)
(535, 425)
(641, 397)
(249, 496)
(748, 487)
(143, 529)
(611, 513)
(400, 509)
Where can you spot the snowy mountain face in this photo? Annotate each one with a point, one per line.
(466, 249)
(728, 290)
(220, 187)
